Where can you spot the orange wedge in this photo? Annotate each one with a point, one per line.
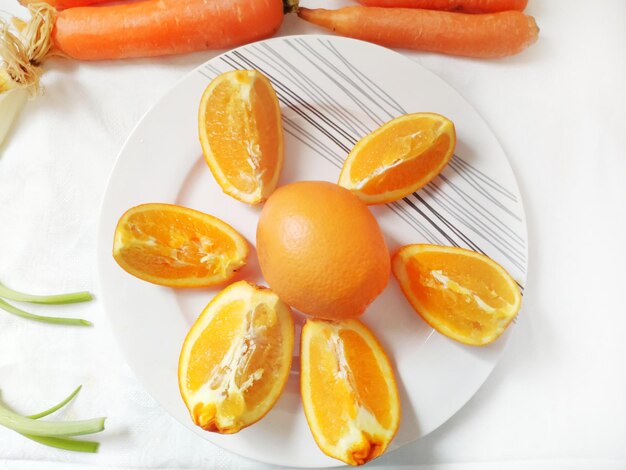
(462, 294)
(349, 392)
(236, 358)
(241, 134)
(177, 247)
(399, 158)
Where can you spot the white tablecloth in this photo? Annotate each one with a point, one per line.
(557, 399)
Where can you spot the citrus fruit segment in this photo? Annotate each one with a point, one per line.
(399, 158)
(321, 250)
(236, 358)
(460, 293)
(349, 392)
(177, 247)
(241, 134)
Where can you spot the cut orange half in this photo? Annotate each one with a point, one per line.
(399, 158)
(460, 293)
(241, 134)
(177, 247)
(236, 358)
(349, 392)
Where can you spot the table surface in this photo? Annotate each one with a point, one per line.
(556, 400)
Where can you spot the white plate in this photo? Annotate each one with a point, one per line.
(332, 92)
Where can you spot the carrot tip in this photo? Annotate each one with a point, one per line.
(533, 25)
(533, 29)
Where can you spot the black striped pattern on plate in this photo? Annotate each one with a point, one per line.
(329, 104)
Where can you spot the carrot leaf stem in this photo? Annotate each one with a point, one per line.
(290, 6)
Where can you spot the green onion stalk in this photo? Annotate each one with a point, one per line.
(57, 434)
(71, 298)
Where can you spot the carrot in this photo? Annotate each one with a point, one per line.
(63, 4)
(485, 36)
(163, 27)
(157, 27)
(464, 6)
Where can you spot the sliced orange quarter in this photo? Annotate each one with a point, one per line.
(399, 158)
(241, 134)
(460, 293)
(349, 392)
(177, 247)
(236, 358)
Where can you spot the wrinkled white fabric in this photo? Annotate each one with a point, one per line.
(557, 399)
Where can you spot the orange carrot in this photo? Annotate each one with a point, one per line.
(463, 6)
(63, 4)
(161, 27)
(485, 36)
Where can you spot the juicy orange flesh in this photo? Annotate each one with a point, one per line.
(210, 347)
(372, 389)
(345, 368)
(241, 125)
(331, 395)
(404, 175)
(257, 359)
(476, 297)
(403, 140)
(173, 246)
(267, 355)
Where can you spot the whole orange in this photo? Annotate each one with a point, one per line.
(321, 250)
